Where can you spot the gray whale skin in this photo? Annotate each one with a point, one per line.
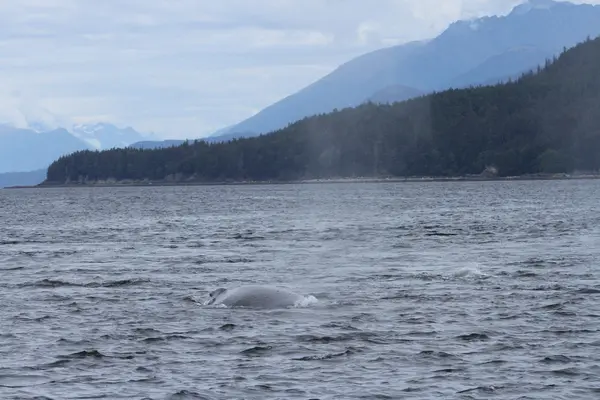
(255, 297)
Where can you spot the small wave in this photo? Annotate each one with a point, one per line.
(165, 338)
(386, 277)
(12, 268)
(19, 381)
(473, 337)
(147, 331)
(118, 283)
(295, 392)
(238, 260)
(83, 354)
(53, 364)
(31, 253)
(494, 362)
(339, 325)
(421, 333)
(186, 394)
(347, 337)
(49, 283)
(264, 387)
(440, 234)
(96, 355)
(349, 352)
(322, 339)
(437, 354)
(246, 236)
(55, 283)
(257, 351)
(33, 319)
(63, 253)
(227, 327)
(526, 274)
(560, 359)
(449, 370)
(548, 287)
(561, 332)
(9, 242)
(553, 306)
(482, 389)
(566, 372)
(404, 295)
(588, 291)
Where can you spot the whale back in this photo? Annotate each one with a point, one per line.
(255, 297)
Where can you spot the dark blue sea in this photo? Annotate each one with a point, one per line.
(463, 290)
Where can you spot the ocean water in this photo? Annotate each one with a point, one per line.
(470, 290)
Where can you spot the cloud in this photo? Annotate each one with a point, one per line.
(185, 68)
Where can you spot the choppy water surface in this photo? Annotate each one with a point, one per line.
(426, 290)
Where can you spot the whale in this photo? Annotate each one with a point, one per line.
(255, 296)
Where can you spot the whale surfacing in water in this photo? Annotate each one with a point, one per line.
(255, 297)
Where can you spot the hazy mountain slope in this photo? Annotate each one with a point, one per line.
(466, 46)
(161, 144)
(33, 150)
(26, 150)
(395, 93)
(349, 85)
(31, 178)
(155, 144)
(509, 64)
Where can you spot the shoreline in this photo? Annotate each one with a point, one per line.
(556, 177)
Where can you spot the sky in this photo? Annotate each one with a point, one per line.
(186, 68)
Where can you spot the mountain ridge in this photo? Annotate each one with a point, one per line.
(439, 63)
(29, 178)
(28, 149)
(545, 122)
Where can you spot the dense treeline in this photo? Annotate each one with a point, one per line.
(547, 121)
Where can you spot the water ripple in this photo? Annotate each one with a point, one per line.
(426, 291)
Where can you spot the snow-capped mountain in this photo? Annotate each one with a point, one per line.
(35, 147)
(102, 136)
(27, 150)
(530, 5)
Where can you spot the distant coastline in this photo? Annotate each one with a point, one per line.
(474, 178)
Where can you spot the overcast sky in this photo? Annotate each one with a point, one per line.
(185, 68)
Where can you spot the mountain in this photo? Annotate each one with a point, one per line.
(106, 136)
(31, 178)
(509, 64)
(161, 144)
(156, 144)
(225, 137)
(35, 149)
(469, 52)
(544, 122)
(27, 150)
(394, 94)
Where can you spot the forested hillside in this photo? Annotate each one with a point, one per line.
(484, 50)
(546, 121)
